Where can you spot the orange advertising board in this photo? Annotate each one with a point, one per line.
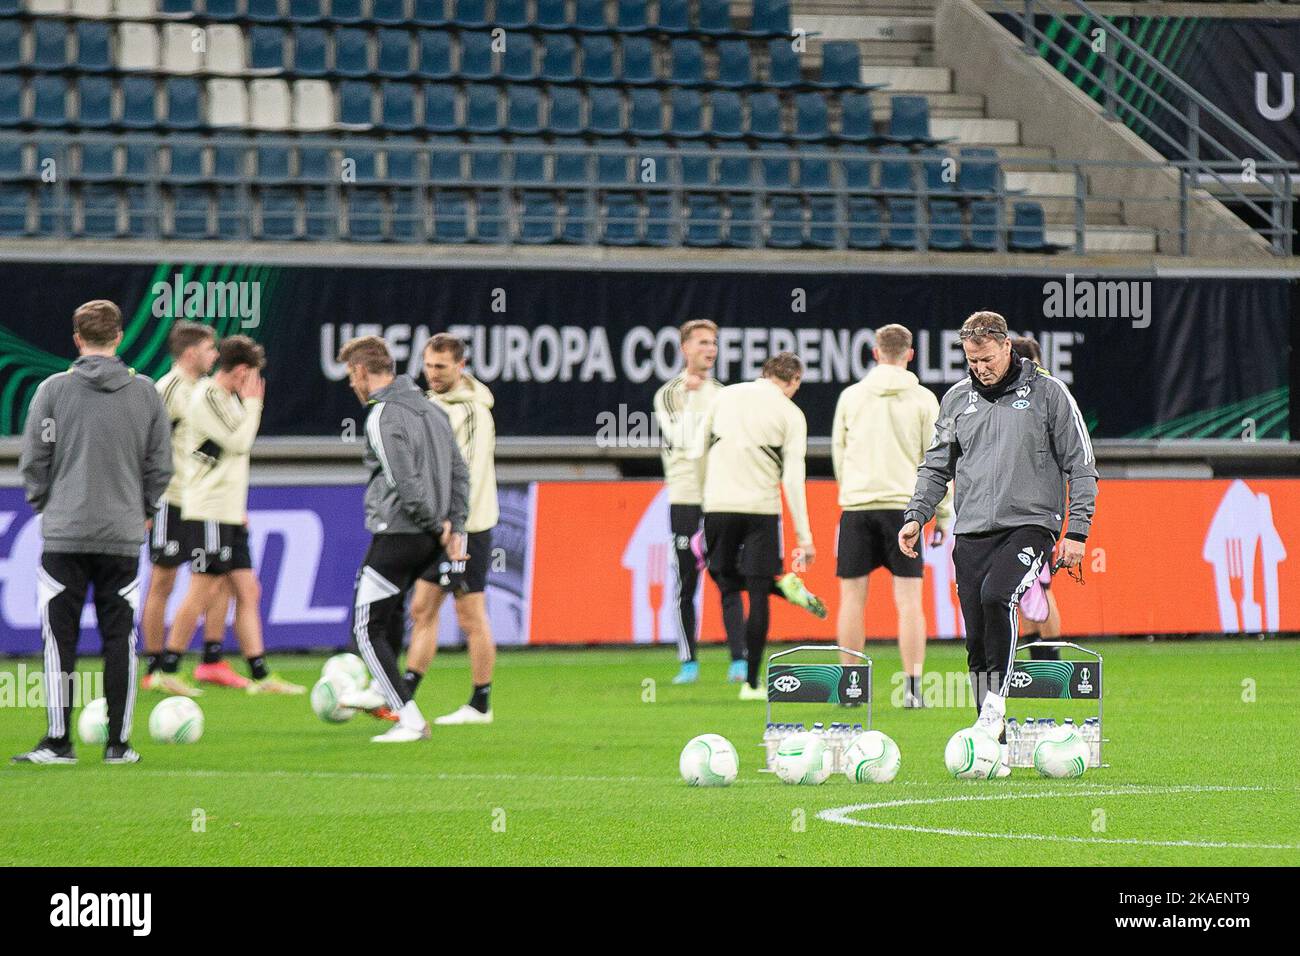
(1164, 556)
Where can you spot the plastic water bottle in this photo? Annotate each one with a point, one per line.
(1029, 740)
(857, 729)
(1013, 741)
(771, 741)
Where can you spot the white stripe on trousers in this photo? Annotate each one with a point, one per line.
(361, 632)
(53, 682)
(1013, 611)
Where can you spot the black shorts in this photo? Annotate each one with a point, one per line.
(743, 544)
(220, 548)
(684, 520)
(471, 577)
(867, 540)
(172, 539)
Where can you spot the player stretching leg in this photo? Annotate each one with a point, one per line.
(883, 425)
(752, 444)
(416, 504)
(224, 414)
(468, 404)
(1010, 505)
(171, 538)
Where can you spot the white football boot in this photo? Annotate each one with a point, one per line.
(410, 727)
(367, 698)
(1004, 766)
(464, 714)
(991, 714)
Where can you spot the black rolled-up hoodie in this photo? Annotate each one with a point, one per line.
(96, 457)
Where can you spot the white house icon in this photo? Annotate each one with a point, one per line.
(1241, 529)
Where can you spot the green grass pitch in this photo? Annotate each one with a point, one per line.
(581, 768)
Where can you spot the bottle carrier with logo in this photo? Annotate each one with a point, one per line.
(834, 684)
(1064, 680)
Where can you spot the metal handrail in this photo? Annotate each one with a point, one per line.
(1277, 206)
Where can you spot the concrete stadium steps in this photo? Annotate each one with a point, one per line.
(903, 29)
(942, 106)
(910, 79)
(1100, 239)
(995, 132)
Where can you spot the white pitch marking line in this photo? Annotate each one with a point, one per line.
(842, 815)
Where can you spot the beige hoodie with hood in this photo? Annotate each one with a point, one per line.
(469, 406)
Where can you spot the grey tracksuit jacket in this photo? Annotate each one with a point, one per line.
(418, 478)
(96, 457)
(1010, 457)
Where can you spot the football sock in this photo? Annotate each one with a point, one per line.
(257, 667)
(914, 685)
(413, 679)
(479, 699)
(212, 652)
(155, 661)
(171, 662)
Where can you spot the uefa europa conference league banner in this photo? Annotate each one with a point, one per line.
(592, 563)
(581, 353)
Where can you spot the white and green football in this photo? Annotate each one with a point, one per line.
(92, 724)
(325, 699)
(802, 759)
(348, 672)
(972, 754)
(177, 720)
(1062, 753)
(872, 757)
(709, 760)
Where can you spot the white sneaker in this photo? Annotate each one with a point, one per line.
(403, 734)
(464, 714)
(1004, 767)
(752, 693)
(367, 699)
(990, 718)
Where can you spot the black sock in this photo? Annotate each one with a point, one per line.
(479, 699)
(257, 667)
(914, 686)
(212, 652)
(413, 679)
(155, 661)
(171, 662)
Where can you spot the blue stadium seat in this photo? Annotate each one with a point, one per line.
(518, 62)
(909, 121)
(902, 232)
(263, 11)
(558, 59)
(523, 110)
(687, 112)
(606, 117)
(589, 16)
(398, 106)
(771, 18)
(688, 63)
(435, 55)
(366, 162)
(811, 124)
(14, 202)
(765, 116)
(406, 215)
(388, 12)
(785, 228)
(99, 210)
(305, 11)
(228, 164)
(177, 7)
(97, 162)
(571, 167)
(344, 11)
(660, 220)
(232, 218)
(53, 213)
(50, 45)
(483, 110)
(564, 118)
(631, 16)
(445, 162)
(351, 52)
(598, 60)
(11, 44)
(470, 13)
(1028, 228)
(93, 41)
(704, 220)
(356, 106)
(365, 215)
(309, 52)
(896, 175)
(945, 225)
(841, 65)
(815, 174)
(267, 48)
(865, 221)
(620, 208)
(95, 99)
(315, 165)
(184, 164)
(713, 17)
(638, 61)
(674, 17)
(319, 215)
(190, 211)
(430, 13)
(11, 100)
(273, 164)
(983, 225)
(855, 168)
(528, 166)
(728, 118)
(440, 108)
(223, 10)
(778, 173)
(51, 100)
(550, 15)
(486, 168)
(935, 171)
(696, 165)
(11, 161)
(512, 14)
(856, 124)
(735, 69)
(537, 215)
(402, 166)
(736, 173)
(182, 94)
(394, 54)
(476, 56)
(979, 172)
(647, 114)
(783, 65)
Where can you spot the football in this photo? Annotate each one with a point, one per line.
(177, 720)
(92, 724)
(1062, 753)
(325, 699)
(872, 757)
(802, 759)
(708, 760)
(972, 754)
(347, 669)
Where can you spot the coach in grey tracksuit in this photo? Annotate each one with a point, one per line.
(96, 458)
(416, 503)
(1011, 438)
